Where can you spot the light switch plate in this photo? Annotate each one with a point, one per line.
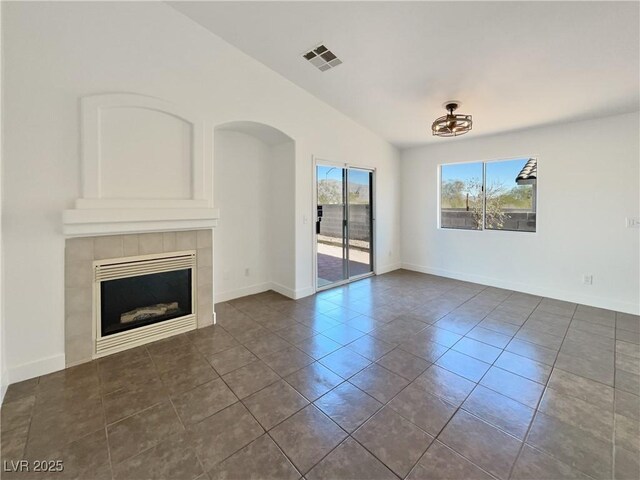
(633, 222)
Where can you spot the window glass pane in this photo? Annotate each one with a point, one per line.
(360, 233)
(330, 228)
(511, 195)
(461, 196)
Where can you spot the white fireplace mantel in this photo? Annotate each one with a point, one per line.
(111, 221)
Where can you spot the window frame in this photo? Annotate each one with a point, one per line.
(484, 179)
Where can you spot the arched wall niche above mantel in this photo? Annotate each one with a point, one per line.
(145, 163)
(136, 147)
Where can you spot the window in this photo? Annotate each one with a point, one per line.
(461, 196)
(510, 195)
(497, 195)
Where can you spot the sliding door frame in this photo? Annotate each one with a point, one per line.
(316, 161)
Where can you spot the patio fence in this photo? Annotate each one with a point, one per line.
(359, 221)
(518, 220)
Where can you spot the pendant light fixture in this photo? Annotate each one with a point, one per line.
(451, 124)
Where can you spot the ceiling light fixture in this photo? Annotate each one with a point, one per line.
(451, 124)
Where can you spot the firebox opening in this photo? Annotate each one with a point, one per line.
(133, 302)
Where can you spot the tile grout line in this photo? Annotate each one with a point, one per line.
(477, 383)
(267, 432)
(106, 432)
(26, 440)
(490, 364)
(387, 352)
(537, 411)
(138, 412)
(286, 313)
(459, 407)
(206, 472)
(33, 408)
(433, 437)
(314, 406)
(150, 355)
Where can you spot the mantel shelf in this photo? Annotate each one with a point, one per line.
(112, 221)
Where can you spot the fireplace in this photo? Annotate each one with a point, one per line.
(93, 261)
(132, 302)
(141, 299)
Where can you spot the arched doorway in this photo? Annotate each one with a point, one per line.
(254, 188)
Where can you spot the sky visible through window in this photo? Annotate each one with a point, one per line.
(463, 172)
(498, 172)
(359, 177)
(329, 173)
(505, 172)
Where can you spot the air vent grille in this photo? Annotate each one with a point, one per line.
(322, 58)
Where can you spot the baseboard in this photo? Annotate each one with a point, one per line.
(242, 292)
(388, 268)
(609, 304)
(35, 369)
(282, 290)
(263, 287)
(304, 292)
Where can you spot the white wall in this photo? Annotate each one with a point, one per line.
(240, 187)
(3, 361)
(53, 54)
(255, 237)
(588, 184)
(126, 159)
(281, 217)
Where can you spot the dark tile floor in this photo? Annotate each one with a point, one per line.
(398, 376)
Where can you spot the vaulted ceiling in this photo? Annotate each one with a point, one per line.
(513, 65)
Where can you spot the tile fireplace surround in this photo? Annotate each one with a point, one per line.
(79, 256)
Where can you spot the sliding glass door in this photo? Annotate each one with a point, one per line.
(359, 224)
(331, 225)
(344, 224)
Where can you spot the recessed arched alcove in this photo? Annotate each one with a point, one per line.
(254, 188)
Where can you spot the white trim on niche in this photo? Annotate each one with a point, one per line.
(96, 215)
(91, 109)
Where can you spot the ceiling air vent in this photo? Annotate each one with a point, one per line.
(322, 58)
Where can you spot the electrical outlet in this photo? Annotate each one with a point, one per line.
(587, 279)
(633, 222)
(246, 272)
